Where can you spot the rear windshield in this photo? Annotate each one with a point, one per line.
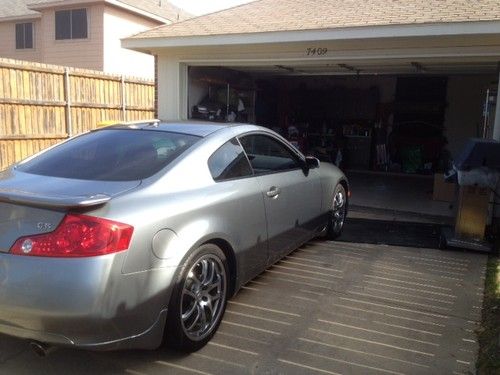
(111, 155)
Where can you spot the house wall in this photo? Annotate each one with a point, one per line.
(464, 113)
(120, 24)
(8, 41)
(100, 51)
(79, 53)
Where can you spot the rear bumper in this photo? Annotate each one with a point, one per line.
(149, 339)
(85, 302)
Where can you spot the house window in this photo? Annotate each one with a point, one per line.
(24, 35)
(71, 24)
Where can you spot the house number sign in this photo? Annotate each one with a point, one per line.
(314, 51)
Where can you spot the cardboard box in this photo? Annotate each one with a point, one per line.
(472, 214)
(443, 191)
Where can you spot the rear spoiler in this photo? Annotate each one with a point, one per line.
(54, 201)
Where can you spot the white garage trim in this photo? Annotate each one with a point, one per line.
(496, 128)
(484, 53)
(365, 32)
(173, 89)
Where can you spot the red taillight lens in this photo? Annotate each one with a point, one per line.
(77, 236)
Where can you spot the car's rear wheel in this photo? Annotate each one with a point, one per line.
(338, 212)
(199, 299)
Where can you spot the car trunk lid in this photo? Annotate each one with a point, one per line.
(32, 204)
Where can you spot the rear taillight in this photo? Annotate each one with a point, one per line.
(77, 236)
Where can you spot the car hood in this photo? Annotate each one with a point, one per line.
(56, 192)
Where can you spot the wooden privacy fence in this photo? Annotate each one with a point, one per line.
(41, 105)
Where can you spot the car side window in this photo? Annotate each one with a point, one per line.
(229, 162)
(267, 154)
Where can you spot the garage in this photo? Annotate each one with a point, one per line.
(398, 123)
(390, 97)
(324, 110)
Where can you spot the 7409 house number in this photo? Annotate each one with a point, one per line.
(316, 51)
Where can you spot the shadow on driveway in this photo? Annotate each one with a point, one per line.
(395, 233)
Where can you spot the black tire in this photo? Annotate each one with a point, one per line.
(199, 299)
(337, 213)
(443, 244)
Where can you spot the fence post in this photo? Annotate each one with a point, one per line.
(67, 99)
(124, 101)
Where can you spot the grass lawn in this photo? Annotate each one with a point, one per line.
(489, 332)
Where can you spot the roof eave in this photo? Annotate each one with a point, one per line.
(347, 33)
(138, 11)
(65, 3)
(23, 17)
(59, 3)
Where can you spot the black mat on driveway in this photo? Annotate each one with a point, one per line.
(394, 233)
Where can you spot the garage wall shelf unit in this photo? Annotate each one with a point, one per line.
(420, 99)
(417, 140)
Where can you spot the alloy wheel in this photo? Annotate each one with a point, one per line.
(203, 297)
(338, 210)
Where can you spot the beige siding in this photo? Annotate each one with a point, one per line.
(8, 42)
(79, 53)
(100, 51)
(120, 24)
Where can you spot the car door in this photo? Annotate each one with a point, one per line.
(292, 194)
(241, 207)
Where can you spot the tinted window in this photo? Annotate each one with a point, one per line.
(71, 24)
(79, 24)
(63, 24)
(228, 162)
(24, 35)
(111, 155)
(28, 35)
(267, 154)
(19, 36)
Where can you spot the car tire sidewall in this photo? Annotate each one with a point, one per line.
(175, 336)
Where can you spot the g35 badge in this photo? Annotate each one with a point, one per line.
(44, 227)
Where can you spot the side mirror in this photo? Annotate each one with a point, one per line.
(312, 162)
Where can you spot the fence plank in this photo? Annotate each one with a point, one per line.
(34, 111)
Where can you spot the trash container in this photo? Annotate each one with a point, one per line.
(477, 171)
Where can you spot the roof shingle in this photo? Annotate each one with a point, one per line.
(16, 8)
(290, 15)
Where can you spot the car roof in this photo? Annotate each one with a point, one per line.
(197, 128)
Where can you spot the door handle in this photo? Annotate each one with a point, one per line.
(273, 192)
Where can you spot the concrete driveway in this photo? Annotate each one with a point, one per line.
(328, 308)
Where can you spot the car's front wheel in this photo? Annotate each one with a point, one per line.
(338, 212)
(199, 299)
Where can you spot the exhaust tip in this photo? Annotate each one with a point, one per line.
(40, 349)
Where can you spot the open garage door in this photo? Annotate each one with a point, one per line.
(394, 128)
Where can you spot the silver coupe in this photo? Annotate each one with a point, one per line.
(137, 234)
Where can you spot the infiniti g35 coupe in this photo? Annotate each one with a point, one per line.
(136, 234)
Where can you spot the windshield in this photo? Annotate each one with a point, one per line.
(111, 155)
